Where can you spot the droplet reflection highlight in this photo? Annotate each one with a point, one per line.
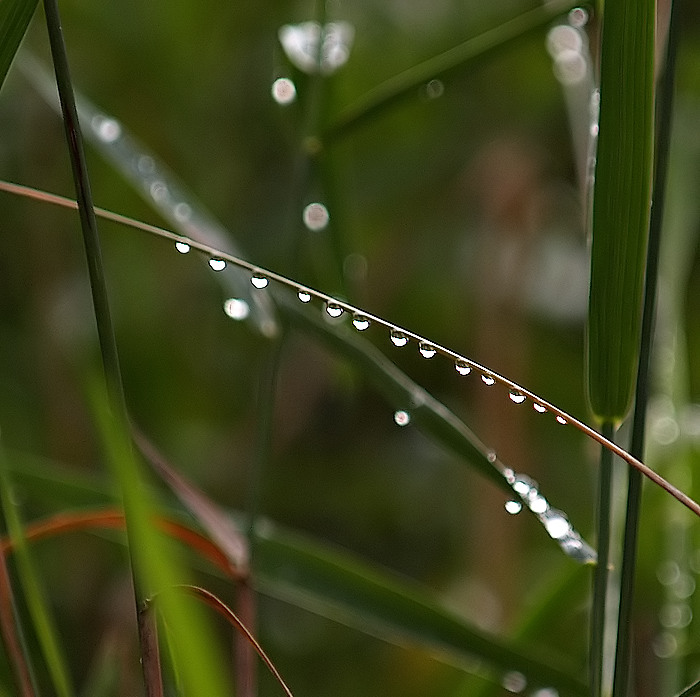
(217, 264)
(259, 281)
(402, 418)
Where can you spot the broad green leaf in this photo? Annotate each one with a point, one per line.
(15, 16)
(337, 585)
(621, 205)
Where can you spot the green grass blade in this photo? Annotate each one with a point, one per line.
(621, 205)
(458, 59)
(337, 585)
(32, 588)
(15, 16)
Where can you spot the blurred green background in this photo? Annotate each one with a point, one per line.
(457, 214)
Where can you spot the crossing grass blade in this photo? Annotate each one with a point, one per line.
(15, 16)
(621, 205)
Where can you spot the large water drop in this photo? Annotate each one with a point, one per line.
(556, 524)
(217, 264)
(426, 350)
(334, 310)
(259, 281)
(539, 408)
(402, 418)
(182, 247)
(236, 308)
(514, 681)
(316, 216)
(398, 338)
(284, 91)
(517, 397)
(360, 323)
(513, 507)
(487, 380)
(304, 295)
(463, 368)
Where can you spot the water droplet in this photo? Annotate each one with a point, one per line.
(158, 191)
(563, 38)
(146, 164)
(284, 91)
(684, 586)
(301, 42)
(182, 247)
(463, 368)
(677, 615)
(523, 485)
(434, 89)
(491, 456)
(487, 380)
(561, 420)
(539, 407)
(556, 523)
(538, 504)
(545, 692)
(578, 17)
(665, 645)
(106, 129)
(361, 322)
(259, 280)
(514, 681)
(513, 507)
(315, 216)
(183, 212)
(402, 418)
(398, 338)
(217, 264)
(334, 310)
(304, 296)
(517, 397)
(668, 572)
(236, 308)
(426, 350)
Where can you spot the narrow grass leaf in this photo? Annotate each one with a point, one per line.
(44, 626)
(621, 205)
(336, 585)
(15, 16)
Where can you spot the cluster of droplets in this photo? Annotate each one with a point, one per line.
(568, 46)
(555, 522)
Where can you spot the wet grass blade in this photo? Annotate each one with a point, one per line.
(458, 59)
(15, 16)
(621, 205)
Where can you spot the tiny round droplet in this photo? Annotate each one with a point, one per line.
(334, 310)
(487, 380)
(517, 397)
(561, 420)
(304, 296)
(360, 322)
(539, 407)
(259, 281)
(578, 17)
(513, 507)
(217, 264)
(284, 91)
(402, 418)
(434, 89)
(182, 247)
(398, 338)
(463, 368)
(236, 308)
(514, 681)
(426, 350)
(316, 216)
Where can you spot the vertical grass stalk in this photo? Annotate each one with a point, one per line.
(634, 487)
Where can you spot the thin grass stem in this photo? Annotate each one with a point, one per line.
(601, 573)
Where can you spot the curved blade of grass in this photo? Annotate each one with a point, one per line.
(621, 205)
(465, 56)
(33, 591)
(15, 16)
(336, 585)
(156, 184)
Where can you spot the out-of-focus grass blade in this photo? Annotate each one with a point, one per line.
(15, 16)
(336, 585)
(458, 59)
(33, 591)
(621, 205)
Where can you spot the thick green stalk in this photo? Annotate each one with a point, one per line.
(600, 577)
(634, 489)
(621, 205)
